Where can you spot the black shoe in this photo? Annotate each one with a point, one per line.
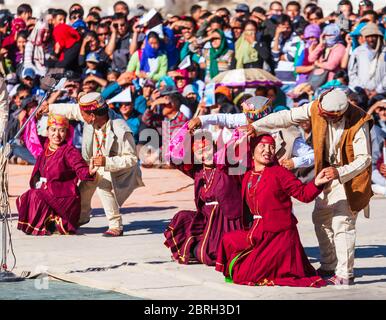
(325, 273)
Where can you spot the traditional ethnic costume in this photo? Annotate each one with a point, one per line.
(270, 252)
(121, 175)
(344, 144)
(53, 202)
(195, 235)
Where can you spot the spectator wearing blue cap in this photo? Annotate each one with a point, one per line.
(91, 44)
(242, 10)
(92, 63)
(367, 66)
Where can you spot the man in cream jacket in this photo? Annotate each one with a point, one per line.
(108, 142)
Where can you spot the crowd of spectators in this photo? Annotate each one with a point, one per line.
(160, 65)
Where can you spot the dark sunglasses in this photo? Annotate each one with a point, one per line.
(213, 39)
(103, 34)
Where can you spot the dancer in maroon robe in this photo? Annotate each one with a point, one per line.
(194, 236)
(270, 252)
(53, 202)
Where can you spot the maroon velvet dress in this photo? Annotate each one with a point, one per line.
(56, 204)
(194, 236)
(270, 252)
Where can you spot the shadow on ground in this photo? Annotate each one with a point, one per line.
(370, 251)
(149, 226)
(99, 212)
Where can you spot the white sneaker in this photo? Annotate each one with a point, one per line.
(377, 189)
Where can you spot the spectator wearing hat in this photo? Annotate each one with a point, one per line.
(91, 44)
(28, 78)
(108, 142)
(367, 66)
(242, 10)
(165, 108)
(92, 65)
(191, 96)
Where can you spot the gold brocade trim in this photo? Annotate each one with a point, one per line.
(265, 282)
(252, 231)
(174, 240)
(315, 282)
(59, 222)
(31, 227)
(186, 245)
(207, 233)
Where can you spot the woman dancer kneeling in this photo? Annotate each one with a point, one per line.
(194, 236)
(52, 205)
(270, 252)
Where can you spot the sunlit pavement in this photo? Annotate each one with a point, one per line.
(138, 264)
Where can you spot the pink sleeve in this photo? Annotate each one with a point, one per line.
(314, 55)
(334, 58)
(31, 139)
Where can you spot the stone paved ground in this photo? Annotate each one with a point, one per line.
(139, 265)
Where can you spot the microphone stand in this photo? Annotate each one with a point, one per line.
(5, 209)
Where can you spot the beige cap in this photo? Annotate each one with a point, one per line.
(335, 101)
(371, 29)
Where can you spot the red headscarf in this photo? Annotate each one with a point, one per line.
(66, 36)
(264, 138)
